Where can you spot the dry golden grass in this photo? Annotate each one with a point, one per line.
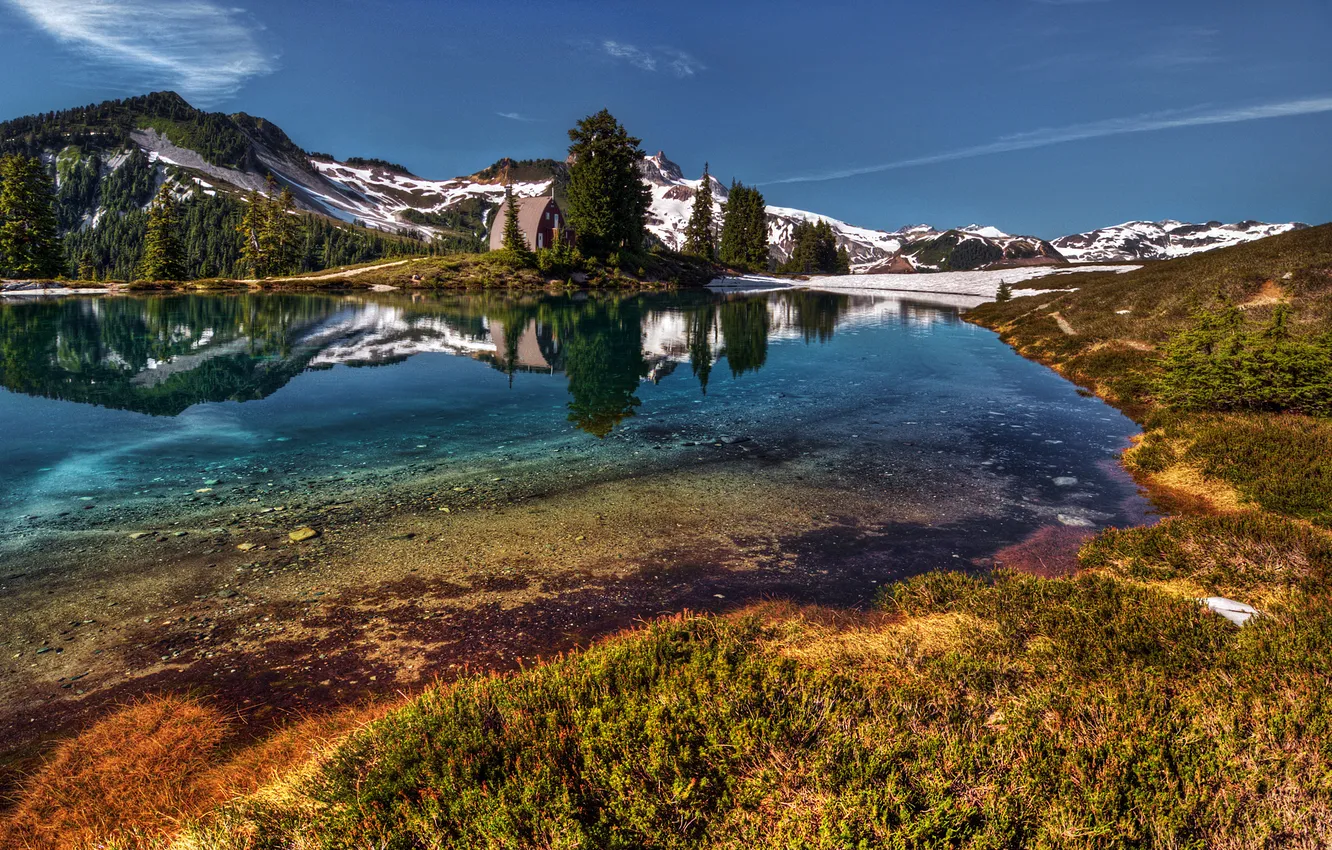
(1269, 294)
(138, 776)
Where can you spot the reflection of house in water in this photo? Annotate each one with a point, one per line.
(533, 349)
(165, 355)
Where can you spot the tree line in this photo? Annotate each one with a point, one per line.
(183, 234)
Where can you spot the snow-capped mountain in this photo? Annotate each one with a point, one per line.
(231, 155)
(914, 248)
(1162, 240)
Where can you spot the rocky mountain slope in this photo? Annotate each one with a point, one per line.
(1162, 240)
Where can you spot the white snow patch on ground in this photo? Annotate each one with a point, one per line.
(979, 283)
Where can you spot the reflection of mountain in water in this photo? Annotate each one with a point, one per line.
(162, 355)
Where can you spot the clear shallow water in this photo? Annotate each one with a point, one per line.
(604, 458)
(120, 408)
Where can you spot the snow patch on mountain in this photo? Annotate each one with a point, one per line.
(1162, 240)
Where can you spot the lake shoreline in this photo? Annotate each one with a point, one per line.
(439, 565)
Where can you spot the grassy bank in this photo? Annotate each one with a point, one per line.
(653, 270)
(1108, 709)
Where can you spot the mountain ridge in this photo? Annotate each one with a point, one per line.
(233, 154)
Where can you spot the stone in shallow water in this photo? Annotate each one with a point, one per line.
(302, 534)
(1066, 481)
(1074, 521)
(245, 547)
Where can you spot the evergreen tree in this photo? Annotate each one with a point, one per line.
(843, 261)
(284, 227)
(699, 239)
(608, 202)
(87, 266)
(269, 235)
(515, 244)
(744, 239)
(29, 236)
(1005, 292)
(254, 248)
(163, 254)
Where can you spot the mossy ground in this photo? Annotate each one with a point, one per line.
(493, 270)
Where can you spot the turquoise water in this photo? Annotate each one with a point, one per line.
(119, 409)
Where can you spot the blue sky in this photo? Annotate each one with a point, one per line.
(1037, 116)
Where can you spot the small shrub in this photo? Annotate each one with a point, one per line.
(1220, 364)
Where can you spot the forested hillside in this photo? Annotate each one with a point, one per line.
(101, 184)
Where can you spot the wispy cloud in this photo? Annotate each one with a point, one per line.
(1147, 123)
(514, 116)
(1180, 47)
(669, 59)
(204, 50)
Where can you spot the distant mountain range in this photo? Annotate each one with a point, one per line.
(1162, 240)
(212, 153)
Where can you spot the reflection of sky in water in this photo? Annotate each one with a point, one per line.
(118, 402)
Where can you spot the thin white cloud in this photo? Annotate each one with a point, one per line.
(203, 50)
(632, 55)
(677, 62)
(1148, 123)
(514, 116)
(681, 64)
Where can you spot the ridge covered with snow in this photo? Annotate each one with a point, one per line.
(1162, 240)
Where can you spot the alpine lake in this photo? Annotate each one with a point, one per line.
(489, 478)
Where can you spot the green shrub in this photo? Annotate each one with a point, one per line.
(1227, 555)
(1220, 364)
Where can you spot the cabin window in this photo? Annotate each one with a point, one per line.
(547, 216)
(539, 236)
(557, 221)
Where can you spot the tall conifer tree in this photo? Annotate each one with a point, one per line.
(29, 237)
(514, 242)
(744, 240)
(163, 255)
(254, 252)
(284, 228)
(608, 202)
(699, 238)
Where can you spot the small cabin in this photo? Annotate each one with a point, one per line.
(538, 218)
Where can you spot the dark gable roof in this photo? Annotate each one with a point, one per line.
(530, 211)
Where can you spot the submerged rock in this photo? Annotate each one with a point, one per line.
(302, 534)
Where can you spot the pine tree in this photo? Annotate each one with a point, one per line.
(699, 239)
(608, 202)
(843, 261)
(29, 236)
(744, 239)
(87, 266)
(254, 254)
(513, 234)
(1005, 292)
(163, 255)
(285, 236)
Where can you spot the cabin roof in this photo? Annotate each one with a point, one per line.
(530, 211)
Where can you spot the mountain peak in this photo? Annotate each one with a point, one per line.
(660, 171)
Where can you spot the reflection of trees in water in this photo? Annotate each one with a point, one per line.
(161, 355)
(744, 328)
(603, 359)
(236, 347)
(699, 336)
(814, 314)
